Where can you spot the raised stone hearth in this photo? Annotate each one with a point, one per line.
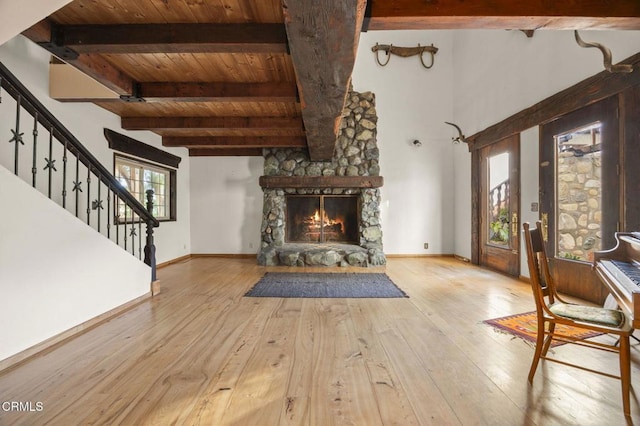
(354, 170)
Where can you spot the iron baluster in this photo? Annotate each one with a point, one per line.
(17, 136)
(150, 248)
(64, 175)
(109, 211)
(50, 162)
(99, 201)
(34, 168)
(116, 203)
(88, 195)
(132, 234)
(125, 226)
(77, 183)
(139, 237)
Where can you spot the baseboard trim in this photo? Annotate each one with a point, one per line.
(172, 261)
(49, 344)
(398, 256)
(225, 255)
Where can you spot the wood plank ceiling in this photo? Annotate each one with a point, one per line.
(230, 77)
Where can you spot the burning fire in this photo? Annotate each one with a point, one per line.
(326, 221)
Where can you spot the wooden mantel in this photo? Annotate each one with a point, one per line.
(274, 182)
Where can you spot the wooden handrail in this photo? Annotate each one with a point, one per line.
(31, 104)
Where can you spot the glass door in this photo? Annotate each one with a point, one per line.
(580, 194)
(500, 199)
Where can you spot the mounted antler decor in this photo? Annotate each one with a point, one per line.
(405, 52)
(460, 137)
(607, 55)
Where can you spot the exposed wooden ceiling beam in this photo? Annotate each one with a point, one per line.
(226, 152)
(174, 38)
(94, 66)
(323, 39)
(217, 92)
(235, 141)
(504, 14)
(211, 123)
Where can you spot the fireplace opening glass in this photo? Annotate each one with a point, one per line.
(322, 219)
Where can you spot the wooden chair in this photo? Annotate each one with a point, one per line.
(552, 309)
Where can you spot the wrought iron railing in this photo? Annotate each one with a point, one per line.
(78, 181)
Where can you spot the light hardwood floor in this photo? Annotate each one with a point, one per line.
(200, 353)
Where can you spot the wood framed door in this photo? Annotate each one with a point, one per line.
(499, 169)
(580, 194)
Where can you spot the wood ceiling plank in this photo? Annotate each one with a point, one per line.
(504, 14)
(323, 38)
(168, 109)
(210, 123)
(175, 38)
(236, 142)
(226, 152)
(234, 132)
(218, 92)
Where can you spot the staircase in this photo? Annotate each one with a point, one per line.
(48, 156)
(68, 266)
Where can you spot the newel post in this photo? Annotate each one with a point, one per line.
(150, 248)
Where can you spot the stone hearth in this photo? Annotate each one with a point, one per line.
(354, 170)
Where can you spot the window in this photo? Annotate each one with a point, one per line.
(137, 177)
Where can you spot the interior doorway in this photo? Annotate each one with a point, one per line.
(499, 212)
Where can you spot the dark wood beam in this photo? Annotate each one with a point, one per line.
(211, 123)
(235, 141)
(504, 14)
(175, 38)
(226, 152)
(321, 181)
(218, 92)
(586, 92)
(94, 66)
(122, 143)
(323, 39)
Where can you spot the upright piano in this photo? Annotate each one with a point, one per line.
(619, 270)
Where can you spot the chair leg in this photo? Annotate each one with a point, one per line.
(625, 373)
(547, 342)
(538, 351)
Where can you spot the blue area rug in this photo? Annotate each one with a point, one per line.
(325, 285)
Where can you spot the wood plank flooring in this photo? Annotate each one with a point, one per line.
(200, 353)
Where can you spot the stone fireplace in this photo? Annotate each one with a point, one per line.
(326, 213)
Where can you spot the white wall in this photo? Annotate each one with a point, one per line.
(529, 193)
(17, 16)
(52, 271)
(226, 204)
(412, 103)
(86, 122)
(499, 73)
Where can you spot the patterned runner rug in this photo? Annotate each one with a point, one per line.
(525, 326)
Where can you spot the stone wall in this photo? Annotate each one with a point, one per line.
(356, 154)
(579, 205)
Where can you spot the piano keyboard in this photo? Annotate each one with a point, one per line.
(629, 269)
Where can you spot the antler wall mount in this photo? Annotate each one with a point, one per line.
(461, 137)
(404, 52)
(606, 53)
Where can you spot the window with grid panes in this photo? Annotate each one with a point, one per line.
(137, 177)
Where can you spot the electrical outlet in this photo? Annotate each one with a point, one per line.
(426, 246)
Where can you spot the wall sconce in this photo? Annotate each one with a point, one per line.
(404, 52)
(606, 53)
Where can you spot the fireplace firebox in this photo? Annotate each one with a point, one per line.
(322, 219)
